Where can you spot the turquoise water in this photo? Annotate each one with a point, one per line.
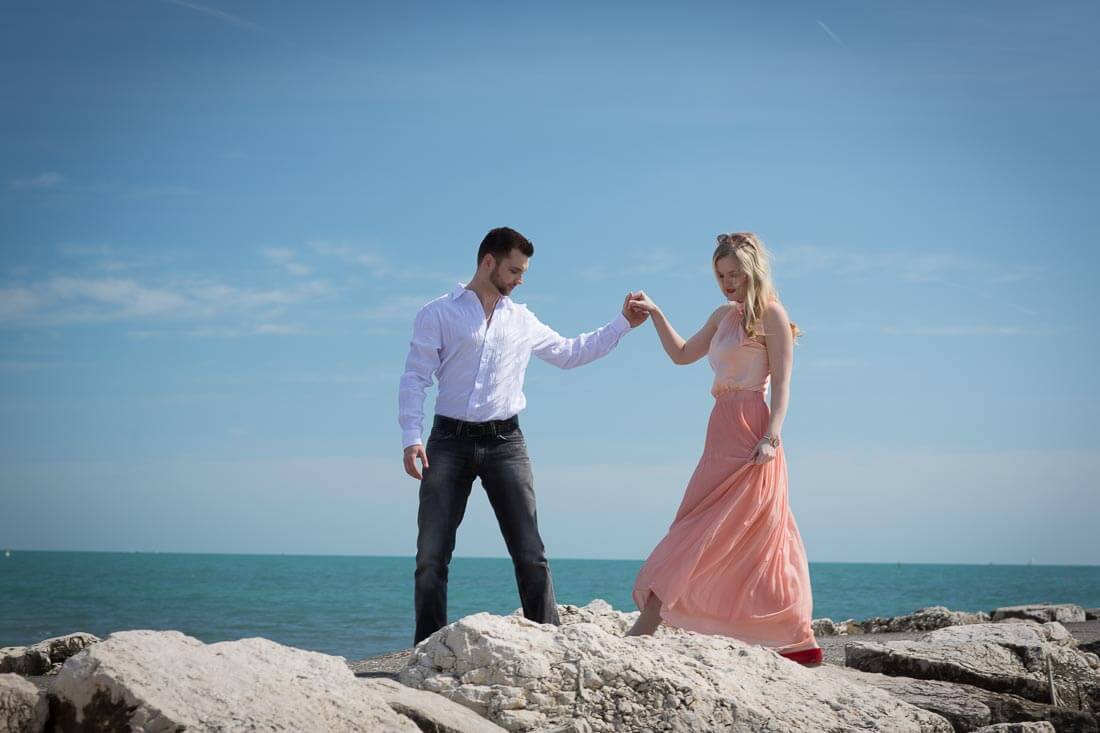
(361, 606)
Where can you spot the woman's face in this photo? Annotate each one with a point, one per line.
(730, 278)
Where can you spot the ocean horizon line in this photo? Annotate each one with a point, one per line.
(6, 551)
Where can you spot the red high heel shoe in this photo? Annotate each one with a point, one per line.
(806, 657)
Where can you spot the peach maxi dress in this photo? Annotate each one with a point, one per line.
(732, 562)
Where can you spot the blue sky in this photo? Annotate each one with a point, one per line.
(217, 221)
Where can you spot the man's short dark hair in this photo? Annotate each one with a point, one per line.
(501, 241)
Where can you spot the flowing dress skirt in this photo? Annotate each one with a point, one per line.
(733, 562)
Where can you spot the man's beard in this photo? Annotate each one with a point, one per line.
(499, 284)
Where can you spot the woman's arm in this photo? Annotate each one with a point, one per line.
(679, 350)
(780, 345)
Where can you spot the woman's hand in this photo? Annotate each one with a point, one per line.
(763, 453)
(633, 316)
(640, 303)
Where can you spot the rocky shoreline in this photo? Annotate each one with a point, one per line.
(1020, 668)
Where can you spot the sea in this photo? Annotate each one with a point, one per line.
(358, 607)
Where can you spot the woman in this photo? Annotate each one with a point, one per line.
(732, 562)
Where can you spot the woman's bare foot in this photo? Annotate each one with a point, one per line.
(650, 619)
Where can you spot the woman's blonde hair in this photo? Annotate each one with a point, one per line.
(748, 250)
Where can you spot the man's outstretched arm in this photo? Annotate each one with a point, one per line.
(567, 353)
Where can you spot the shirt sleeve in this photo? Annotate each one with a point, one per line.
(567, 353)
(420, 366)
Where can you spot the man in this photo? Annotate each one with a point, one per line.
(477, 342)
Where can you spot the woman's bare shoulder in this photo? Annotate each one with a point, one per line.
(720, 312)
(775, 311)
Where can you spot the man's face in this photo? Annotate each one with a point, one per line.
(508, 273)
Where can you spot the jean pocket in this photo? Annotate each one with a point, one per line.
(512, 436)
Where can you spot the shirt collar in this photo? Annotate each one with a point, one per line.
(460, 288)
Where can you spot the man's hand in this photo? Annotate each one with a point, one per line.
(414, 451)
(633, 316)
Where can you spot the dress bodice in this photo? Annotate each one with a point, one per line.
(739, 362)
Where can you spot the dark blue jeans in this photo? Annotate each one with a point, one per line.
(458, 453)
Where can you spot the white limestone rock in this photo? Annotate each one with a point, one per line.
(23, 660)
(526, 676)
(923, 619)
(23, 708)
(46, 656)
(602, 614)
(967, 707)
(1019, 659)
(1035, 727)
(1042, 612)
(430, 712)
(166, 681)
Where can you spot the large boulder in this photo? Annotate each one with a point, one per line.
(23, 660)
(943, 698)
(164, 680)
(23, 707)
(1042, 612)
(924, 619)
(46, 656)
(430, 712)
(1039, 727)
(1036, 662)
(969, 708)
(526, 676)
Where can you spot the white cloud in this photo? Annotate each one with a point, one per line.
(102, 284)
(128, 298)
(347, 254)
(927, 266)
(17, 302)
(831, 34)
(213, 332)
(374, 263)
(219, 14)
(285, 258)
(278, 329)
(88, 250)
(68, 299)
(402, 307)
(648, 262)
(218, 298)
(41, 181)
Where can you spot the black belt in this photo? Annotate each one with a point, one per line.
(476, 429)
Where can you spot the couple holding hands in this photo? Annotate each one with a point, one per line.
(732, 561)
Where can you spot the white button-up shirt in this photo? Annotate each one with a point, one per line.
(480, 365)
